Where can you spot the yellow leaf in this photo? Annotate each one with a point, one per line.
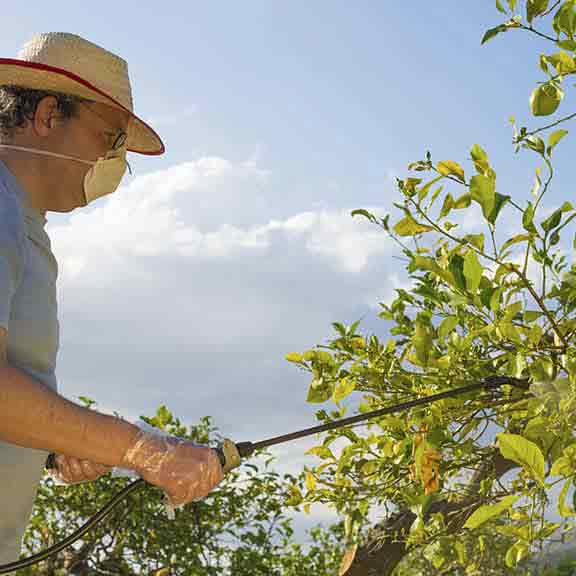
(344, 388)
(451, 168)
(410, 227)
(489, 511)
(347, 560)
(564, 510)
(310, 480)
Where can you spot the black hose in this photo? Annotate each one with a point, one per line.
(247, 448)
(100, 515)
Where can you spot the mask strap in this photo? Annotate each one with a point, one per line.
(46, 153)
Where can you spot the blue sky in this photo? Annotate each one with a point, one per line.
(189, 285)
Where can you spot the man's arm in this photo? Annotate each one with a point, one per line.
(32, 415)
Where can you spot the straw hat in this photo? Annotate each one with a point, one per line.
(67, 63)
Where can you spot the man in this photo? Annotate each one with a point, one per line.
(66, 123)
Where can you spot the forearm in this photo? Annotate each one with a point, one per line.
(34, 416)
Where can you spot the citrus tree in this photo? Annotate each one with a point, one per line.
(492, 300)
(241, 528)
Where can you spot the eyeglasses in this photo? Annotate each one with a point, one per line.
(120, 137)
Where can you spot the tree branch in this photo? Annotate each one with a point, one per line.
(386, 544)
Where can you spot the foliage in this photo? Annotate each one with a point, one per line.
(496, 299)
(241, 528)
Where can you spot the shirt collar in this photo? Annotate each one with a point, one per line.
(13, 184)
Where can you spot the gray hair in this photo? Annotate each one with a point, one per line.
(18, 106)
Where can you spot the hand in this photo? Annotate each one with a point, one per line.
(73, 471)
(184, 470)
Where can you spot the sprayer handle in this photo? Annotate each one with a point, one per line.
(230, 454)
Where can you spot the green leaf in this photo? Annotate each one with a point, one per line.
(562, 466)
(545, 99)
(294, 357)
(423, 342)
(424, 263)
(569, 45)
(447, 325)
(322, 452)
(480, 159)
(562, 62)
(410, 227)
(489, 511)
(552, 221)
(531, 316)
(517, 365)
(476, 240)
(310, 481)
(499, 7)
(535, 143)
(423, 192)
(456, 267)
(365, 213)
(295, 498)
(516, 553)
(542, 370)
(482, 189)
(318, 393)
(435, 195)
(535, 8)
(526, 453)
(554, 138)
(462, 201)
(528, 217)
(492, 32)
(510, 332)
(515, 240)
(512, 310)
(564, 510)
(163, 416)
(408, 186)
(499, 202)
(565, 20)
(88, 402)
(344, 388)
(451, 168)
(447, 206)
(472, 271)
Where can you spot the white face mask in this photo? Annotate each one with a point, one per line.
(103, 178)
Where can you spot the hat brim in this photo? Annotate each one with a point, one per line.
(142, 139)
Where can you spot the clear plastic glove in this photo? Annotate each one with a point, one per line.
(70, 470)
(185, 471)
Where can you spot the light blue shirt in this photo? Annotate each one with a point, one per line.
(28, 273)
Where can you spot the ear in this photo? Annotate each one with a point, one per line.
(45, 117)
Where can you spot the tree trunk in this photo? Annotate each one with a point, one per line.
(386, 546)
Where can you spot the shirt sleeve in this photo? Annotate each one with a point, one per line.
(11, 253)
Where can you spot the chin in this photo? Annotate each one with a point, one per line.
(66, 208)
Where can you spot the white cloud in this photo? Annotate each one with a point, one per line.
(182, 211)
(337, 236)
